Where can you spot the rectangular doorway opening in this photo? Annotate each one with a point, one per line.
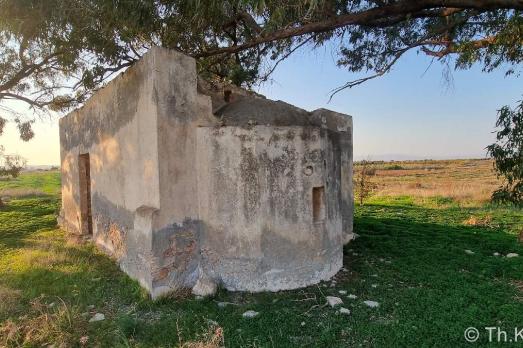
(84, 169)
(318, 204)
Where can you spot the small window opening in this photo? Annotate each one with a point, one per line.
(318, 204)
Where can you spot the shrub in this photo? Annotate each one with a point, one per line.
(394, 167)
(364, 186)
(11, 165)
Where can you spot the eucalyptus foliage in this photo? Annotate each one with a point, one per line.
(55, 53)
(508, 154)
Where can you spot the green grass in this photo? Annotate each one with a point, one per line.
(47, 182)
(428, 288)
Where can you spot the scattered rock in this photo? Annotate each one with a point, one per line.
(374, 285)
(334, 301)
(51, 305)
(222, 304)
(84, 340)
(374, 275)
(302, 323)
(470, 252)
(352, 296)
(198, 297)
(97, 317)
(212, 322)
(342, 292)
(344, 310)
(250, 314)
(510, 255)
(371, 304)
(205, 286)
(496, 254)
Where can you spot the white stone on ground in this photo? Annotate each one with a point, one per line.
(97, 317)
(342, 292)
(470, 252)
(222, 304)
(352, 296)
(510, 255)
(371, 304)
(334, 301)
(344, 310)
(496, 254)
(205, 286)
(250, 314)
(302, 323)
(374, 285)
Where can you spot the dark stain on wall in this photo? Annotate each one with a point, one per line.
(249, 168)
(177, 254)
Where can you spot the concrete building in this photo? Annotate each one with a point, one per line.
(193, 185)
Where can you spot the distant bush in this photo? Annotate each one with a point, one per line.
(394, 167)
(368, 171)
(363, 184)
(11, 165)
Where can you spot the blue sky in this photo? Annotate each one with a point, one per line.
(408, 113)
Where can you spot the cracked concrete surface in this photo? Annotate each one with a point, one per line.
(198, 185)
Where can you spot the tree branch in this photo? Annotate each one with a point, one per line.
(366, 17)
(266, 76)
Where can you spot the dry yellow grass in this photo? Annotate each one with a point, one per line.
(468, 182)
(21, 192)
(47, 322)
(212, 338)
(8, 298)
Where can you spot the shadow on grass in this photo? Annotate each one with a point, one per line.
(428, 287)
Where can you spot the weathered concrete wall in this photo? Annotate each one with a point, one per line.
(255, 196)
(255, 188)
(177, 226)
(118, 129)
(341, 125)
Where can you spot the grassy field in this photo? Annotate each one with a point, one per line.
(463, 182)
(411, 257)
